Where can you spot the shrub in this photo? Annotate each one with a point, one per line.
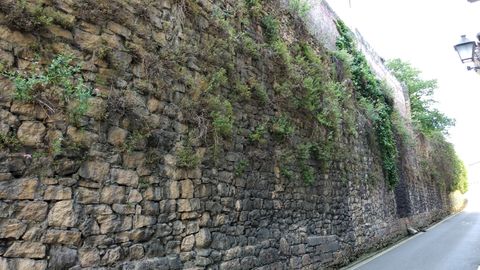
(282, 127)
(23, 17)
(243, 90)
(60, 82)
(281, 49)
(271, 27)
(261, 93)
(299, 7)
(304, 156)
(258, 135)
(427, 119)
(241, 167)
(9, 141)
(250, 46)
(187, 157)
(222, 116)
(218, 79)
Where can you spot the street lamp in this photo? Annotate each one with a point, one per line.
(468, 52)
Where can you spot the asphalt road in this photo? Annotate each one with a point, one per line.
(451, 245)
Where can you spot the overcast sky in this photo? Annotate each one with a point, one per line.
(423, 32)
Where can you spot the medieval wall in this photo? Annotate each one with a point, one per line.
(140, 180)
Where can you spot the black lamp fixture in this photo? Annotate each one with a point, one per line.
(467, 51)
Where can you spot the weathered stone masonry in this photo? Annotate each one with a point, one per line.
(116, 199)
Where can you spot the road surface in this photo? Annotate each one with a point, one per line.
(451, 245)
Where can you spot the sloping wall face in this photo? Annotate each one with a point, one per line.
(190, 153)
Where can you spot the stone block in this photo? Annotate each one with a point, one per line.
(120, 59)
(249, 262)
(315, 240)
(87, 40)
(141, 221)
(32, 211)
(94, 170)
(188, 243)
(31, 133)
(124, 209)
(111, 256)
(134, 196)
(87, 196)
(186, 187)
(61, 258)
(69, 238)
(5, 176)
(22, 264)
(125, 177)
(60, 32)
(8, 118)
(18, 189)
(153, 194)
(136, 252)
(62, 214)
(114, 223)
(203, 238)
(97, 108)
(11, 228)
(183, 205)
(82, 137)
(24, 109)
(119, 29)
(57, 193)
(173, 190)
(133, 160)
(231, 265)
(89, 256)
(117, 136)
(112, 194)
(32, 250)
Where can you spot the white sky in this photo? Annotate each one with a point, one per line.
(423, 32)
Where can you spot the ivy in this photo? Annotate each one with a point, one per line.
(375, 94)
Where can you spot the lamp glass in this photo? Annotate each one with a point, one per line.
(465, 49)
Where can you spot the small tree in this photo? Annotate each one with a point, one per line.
(427, 119)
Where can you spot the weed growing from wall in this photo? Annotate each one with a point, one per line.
(187, 157)
(58, 85)
(282, 127)
(299, 7)
(9, 141)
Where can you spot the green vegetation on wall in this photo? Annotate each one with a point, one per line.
(376, 97)
(443, 163)
(59, 85)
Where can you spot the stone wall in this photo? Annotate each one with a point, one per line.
(115, 197)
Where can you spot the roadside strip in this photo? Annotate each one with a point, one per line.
(373, 256)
